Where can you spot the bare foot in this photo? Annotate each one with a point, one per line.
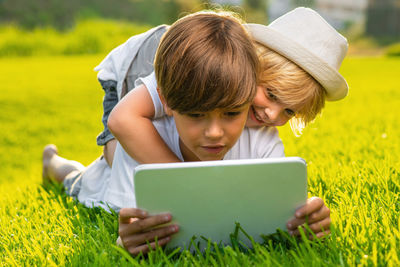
(48, 152)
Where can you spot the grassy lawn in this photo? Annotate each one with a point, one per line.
(353, 155)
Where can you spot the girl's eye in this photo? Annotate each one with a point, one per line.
(290, 112)
(271, 95)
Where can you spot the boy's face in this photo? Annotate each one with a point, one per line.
(209, 135)
(267, 110)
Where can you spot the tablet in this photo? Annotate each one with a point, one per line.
(207, 199)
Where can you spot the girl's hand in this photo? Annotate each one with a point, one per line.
(138, 230)
(315, 214)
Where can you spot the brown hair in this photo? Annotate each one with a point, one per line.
(205, 61)
(292, 85)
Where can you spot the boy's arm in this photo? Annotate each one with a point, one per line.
(130, 122)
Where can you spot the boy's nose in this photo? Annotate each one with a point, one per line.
(214, 130)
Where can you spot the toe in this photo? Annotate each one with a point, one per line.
(49, 151)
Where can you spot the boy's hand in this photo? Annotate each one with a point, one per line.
(137, 230)
(315, 214)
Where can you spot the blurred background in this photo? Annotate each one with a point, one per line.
(59, 27)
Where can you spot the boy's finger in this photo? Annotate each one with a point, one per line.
(313, 204)
(319, 215)
(147, 223)
(150, 236)
(294, 223)
(145, 248)
(126, 214)
(321, 225)
(322, 234)
(315, 227)
(316, 216)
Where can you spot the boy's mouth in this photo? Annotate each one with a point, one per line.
(214, 149)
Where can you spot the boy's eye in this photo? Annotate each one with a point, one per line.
(233, 113)
(289, 112)
(195, 115)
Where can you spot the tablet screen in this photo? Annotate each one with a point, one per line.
(208, 198)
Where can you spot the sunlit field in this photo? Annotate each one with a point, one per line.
(352, 151)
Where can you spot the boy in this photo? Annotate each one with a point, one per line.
(285, 92)
(217, 118)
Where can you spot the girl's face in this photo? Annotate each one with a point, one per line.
(268, 110)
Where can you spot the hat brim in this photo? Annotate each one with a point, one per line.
(334, 84)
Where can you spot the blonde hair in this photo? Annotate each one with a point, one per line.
(206, 61)
(292, 85)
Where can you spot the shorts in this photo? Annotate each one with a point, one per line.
(109, 102)
(89, 184)
(73, 183)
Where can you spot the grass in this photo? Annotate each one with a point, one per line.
(352, 151)
(87, 37)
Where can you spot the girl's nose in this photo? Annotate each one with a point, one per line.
(273, 113)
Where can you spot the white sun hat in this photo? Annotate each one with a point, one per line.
(305, 38)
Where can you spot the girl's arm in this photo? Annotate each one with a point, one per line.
(131, 123)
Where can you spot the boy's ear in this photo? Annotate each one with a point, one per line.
(167, 110)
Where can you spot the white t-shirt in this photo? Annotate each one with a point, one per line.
(263, 142)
